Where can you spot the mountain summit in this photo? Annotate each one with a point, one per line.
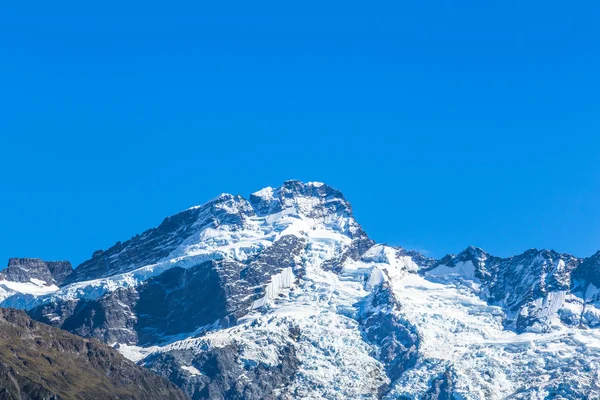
(283, 295)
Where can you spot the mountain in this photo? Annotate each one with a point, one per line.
(41, 362)
(532, 288)
(25, 270)
(283, 295)
(32, 277)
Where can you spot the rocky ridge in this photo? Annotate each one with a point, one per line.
(46, 272)
(283, 295)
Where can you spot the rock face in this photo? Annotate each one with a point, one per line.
(283, 296)
(588, 271)
(396, 338)
(41, 362)
(221, 371)
(109, 318)
(159, 242)
(178, 301)
(25, 269)
(442, 388)
(532, 287)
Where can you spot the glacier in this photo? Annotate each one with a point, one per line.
(283, 295)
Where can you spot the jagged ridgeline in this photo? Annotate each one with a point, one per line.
(283, 295)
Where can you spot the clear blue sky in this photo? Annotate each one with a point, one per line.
(444, 123)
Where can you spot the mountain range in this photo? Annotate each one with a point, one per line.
(283, 295)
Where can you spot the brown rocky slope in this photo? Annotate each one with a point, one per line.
(38, 361)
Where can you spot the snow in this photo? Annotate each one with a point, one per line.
(380, 263)
(35, 287)
(591, 291)
(284, 279)
(458, 328)
(335, 361)
(317, 312)
(265, 193)
(191, 369)
(315, 184)
(293, 311)
(375, 278)
(463, 269)
(134, 353)
(550, 304)
(300, 216)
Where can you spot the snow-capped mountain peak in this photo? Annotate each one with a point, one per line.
(283, 295)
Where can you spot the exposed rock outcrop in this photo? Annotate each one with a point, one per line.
(25, 269)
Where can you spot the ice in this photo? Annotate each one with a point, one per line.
(265, 193)
(256, 233)
(318, 312)
(35, 287)
(458, 328)
(284, 279)
(463, 269)
(191, 369)
(134, 353)
(335, 361)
